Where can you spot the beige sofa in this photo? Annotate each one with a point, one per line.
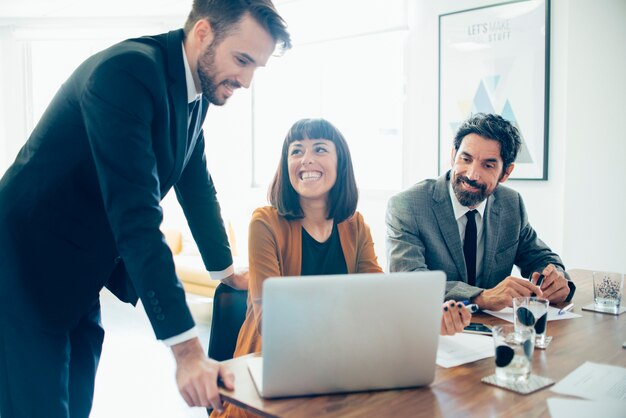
(189, 266)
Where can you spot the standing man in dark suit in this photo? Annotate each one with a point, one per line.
(471, 227)
(80, 206)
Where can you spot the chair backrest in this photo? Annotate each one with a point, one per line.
(229, 312)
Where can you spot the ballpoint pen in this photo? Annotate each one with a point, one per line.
(472, 307)
(566, 309)
(539, 281)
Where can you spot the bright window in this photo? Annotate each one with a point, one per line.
(52, 62)
(357, 83)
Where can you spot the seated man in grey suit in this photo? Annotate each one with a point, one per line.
(468, 225)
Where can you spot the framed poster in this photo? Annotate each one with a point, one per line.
(495, 59)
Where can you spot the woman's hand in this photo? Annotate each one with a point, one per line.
(455, 318)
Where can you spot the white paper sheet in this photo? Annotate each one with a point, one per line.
(553, 314)
(595, 381)
(463, 348)
(579, 408)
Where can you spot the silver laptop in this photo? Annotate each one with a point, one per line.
(346, 333)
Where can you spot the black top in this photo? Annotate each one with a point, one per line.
(322, 257)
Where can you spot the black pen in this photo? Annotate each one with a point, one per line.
(539, 281)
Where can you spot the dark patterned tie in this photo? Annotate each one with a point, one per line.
(192, 127)
(469, 247)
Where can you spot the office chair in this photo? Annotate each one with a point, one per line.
(229, 312)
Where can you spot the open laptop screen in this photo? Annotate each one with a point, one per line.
(344, 333)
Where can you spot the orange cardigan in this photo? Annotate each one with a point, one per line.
(275, 249)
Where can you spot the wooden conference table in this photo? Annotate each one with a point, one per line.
(458, 391)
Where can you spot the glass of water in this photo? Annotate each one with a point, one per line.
(607, 291)
(532, 312)
(514, 353)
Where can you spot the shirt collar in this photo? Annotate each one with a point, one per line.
(459, 209)
(192, 92)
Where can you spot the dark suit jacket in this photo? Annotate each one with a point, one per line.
(422, 234)
(80, 206)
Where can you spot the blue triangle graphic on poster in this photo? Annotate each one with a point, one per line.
(492, 82)
(482, 102)
(507, 113)
(524, 155)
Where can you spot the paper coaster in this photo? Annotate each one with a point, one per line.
(533, 384)
(592, 307)
(546, 343)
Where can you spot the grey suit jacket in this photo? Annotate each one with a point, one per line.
(422, 234)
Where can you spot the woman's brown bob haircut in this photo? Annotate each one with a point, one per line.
(344, 195)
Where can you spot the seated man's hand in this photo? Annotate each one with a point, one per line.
(196, 375)
(455, 318)
(554, 285)
(502, 295)
(238, 280)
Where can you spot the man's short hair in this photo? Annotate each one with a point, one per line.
(343, 196)
(224, 15)
(493, 127)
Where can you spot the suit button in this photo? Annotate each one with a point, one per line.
(150, 293)
(157, 309)
(117, 260)
(154, 301)
(160, 317)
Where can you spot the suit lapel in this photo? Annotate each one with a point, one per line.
(178, 94)
(491, 229)
(442, 208)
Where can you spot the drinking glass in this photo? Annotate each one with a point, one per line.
(532, 312)
(607, 290)
(514, 352)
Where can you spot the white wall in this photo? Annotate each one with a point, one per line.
(594, 230)
(12, 117)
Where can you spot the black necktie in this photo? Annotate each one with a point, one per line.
(469, 247)
(193, 119)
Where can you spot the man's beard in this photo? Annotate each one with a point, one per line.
(466, 197)
(206, 74)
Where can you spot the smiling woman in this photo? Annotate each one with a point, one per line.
(316, 160)
(312, 168)
(312, 226)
